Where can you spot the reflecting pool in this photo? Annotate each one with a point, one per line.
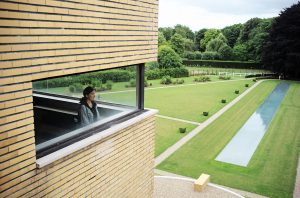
(243, 145)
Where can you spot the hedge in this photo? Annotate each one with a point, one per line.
(113, 75)
(177, 72)
(223, 64)
(88, 78)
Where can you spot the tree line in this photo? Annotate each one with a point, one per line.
(273, 42)
(242, 42)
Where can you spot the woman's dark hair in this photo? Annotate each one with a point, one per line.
(85, 92)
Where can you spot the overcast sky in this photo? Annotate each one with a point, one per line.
(198, 14)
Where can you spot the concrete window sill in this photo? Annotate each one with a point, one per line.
(59, 154)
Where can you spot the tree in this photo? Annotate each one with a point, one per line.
(208, 36)
(161, 39)
(225, 52)
(189, 45)
(214, 45)
(247, 28)
(177, 43)
(168, 58)
(199, 35)
(232, 33)
(282, 50)
(184, 31)
(253, 37)
(240, 52)
(167, 31)
(222, 38)
(257, 39)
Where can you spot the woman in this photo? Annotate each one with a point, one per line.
(88, 112)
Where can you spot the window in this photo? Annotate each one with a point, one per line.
(62, 116)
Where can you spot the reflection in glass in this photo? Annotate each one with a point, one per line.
(62, 111)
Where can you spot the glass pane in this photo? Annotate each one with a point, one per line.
(61, 111)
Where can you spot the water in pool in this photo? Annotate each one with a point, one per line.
(243, 145)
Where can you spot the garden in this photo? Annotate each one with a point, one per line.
(272, 169)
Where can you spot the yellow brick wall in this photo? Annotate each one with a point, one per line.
(118, 166)
(49, 38)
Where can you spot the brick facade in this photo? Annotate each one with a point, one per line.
(49, 38)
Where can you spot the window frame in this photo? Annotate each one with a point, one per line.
(140, 69)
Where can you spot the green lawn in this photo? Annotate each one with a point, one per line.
(272, 169)
(120, 86)
(230, 70)
(127, 96)
(167, 133)
(189, 102)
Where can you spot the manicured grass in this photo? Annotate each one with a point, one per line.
(230, 70)
(189, 102)
(167, 133)
(120, 86)
(127, 96)
(272, 169)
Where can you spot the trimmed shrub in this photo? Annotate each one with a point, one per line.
(246, 85)
(254, 80)
(78, 87)
(172, 72)
(178, 81)
(237, 91)
(224, 77)
(205, 113)
(253, 75)
(72, 88)
(146, 84)
(202, 79)
(182, 130)
(223, 101)
(132, 82)
(109, 85)
(166, 80)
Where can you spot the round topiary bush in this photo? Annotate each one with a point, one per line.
(182, 130)
(205, 113)
(246, 85)
(223, 101)
(71, 88)
(166, 80)
(237, 91)
(254, 80)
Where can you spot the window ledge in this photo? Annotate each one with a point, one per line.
(48, 159)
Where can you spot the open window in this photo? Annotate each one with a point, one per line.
(119, 96)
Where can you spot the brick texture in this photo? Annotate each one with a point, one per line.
(50, 38)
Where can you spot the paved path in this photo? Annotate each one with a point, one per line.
(177, 119)
(175, 86)
(198, 129)
(177, 187)
(240, 192)
(297, 183)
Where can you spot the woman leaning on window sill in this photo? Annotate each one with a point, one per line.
(88, 112)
